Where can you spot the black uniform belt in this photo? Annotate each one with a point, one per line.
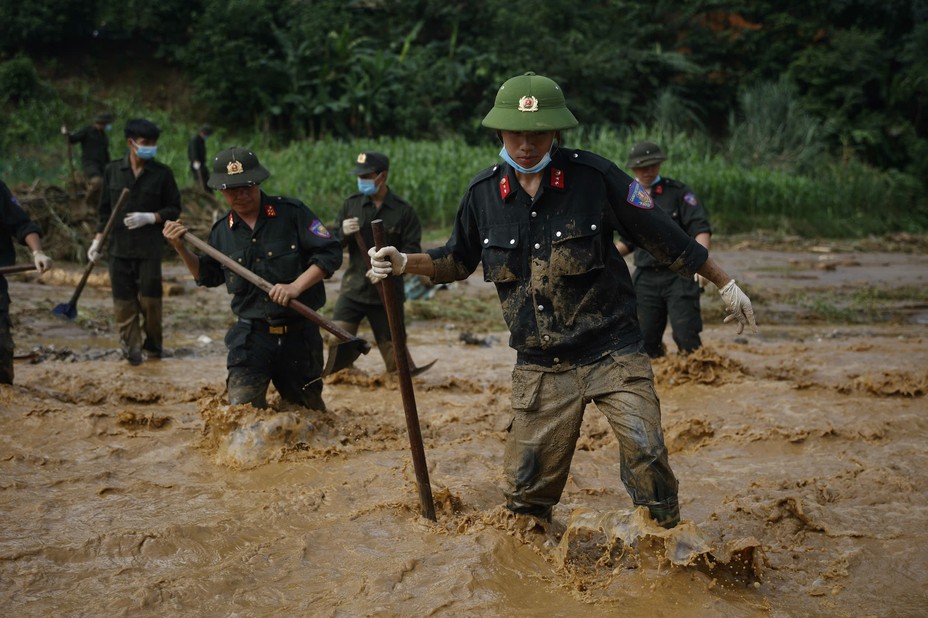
(274, 327)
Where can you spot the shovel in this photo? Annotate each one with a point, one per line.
(69, 309)
(17, 268)
(344, 353)
(413, 370)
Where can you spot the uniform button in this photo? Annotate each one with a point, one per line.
(546, 337)
(534, 214)
(556, 360)
(576, 155)
(512, 241)
(558, 234)
(486, 241)
(593, 227)
(270, 253)
(541, 307)
(294, 246)
(254, 240)
(538, 245)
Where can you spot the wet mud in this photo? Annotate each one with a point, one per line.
(139, 491)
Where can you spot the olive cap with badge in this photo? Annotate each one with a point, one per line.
(236, 167)
(370, 162)
(530, 102)
(645, 154)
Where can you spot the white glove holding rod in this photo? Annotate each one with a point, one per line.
(387, 261)
(42, 261)
(739, 305)
(93, 254)
(135, 220)
(374, 279)
(350, 226)
(196, 165)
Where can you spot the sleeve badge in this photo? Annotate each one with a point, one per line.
(318, 229)
(638, 197)
(690, 198)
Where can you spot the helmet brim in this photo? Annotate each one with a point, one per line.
(542, 120)
(250, 178)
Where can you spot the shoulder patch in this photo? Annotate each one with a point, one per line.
(638, 197)
(318, 229)
(690, 198)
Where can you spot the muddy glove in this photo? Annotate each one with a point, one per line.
(42, 261)
(350, 226)
(93, 254)
(739, 305)
(702, 281)
(387, 261)
(374, 279)
(135, 220)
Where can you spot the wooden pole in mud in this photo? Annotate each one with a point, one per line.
(398, 334)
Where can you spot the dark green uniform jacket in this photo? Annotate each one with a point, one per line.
(95, 149)
(678, 201)
(153, 191)
(403, 231)
(287, 239)
(565, 291)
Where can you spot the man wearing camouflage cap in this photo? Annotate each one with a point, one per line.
(542, 223)
(359, 297)
(663, 294)
(283, 242)
(95, 152)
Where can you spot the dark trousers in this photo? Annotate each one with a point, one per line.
(349, 313)
(137, 296)
(664, 295)
(6, 336)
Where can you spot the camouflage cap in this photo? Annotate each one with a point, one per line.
(530, 102)
(368, 162)
(644, 154)
(236, 167)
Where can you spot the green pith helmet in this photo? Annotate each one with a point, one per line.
(530, 103)
(236, 167)
(644, 154)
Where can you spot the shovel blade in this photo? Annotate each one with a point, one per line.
(65, 310)
(344, 354)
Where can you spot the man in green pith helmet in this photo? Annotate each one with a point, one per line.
(283, 242)
(663, 294)
(542, 223)
(359, 297)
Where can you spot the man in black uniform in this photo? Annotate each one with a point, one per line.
(359, 297)
(14, 223)
(135, 243)
(95, 152)
(196, 153)
(283, 242)
(661, 292)
(542, 223)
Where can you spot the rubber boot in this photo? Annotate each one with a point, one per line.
(151, 309)
(127, 325)
(386, 351)
(333, 341)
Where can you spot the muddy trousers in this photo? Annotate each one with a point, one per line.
(664, 295)
(6, 336)
(137, 305)
(348, 315)
(548, 411)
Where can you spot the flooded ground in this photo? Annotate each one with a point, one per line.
(801, 453)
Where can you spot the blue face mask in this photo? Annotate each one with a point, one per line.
(145, 152)
(108, 127)
(525, 170)
(367, 186)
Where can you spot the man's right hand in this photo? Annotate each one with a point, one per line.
(174, 232)
(351, 226)
(93, 253)
(64, 130)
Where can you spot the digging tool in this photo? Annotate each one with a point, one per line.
(413, 370)
(16, 268)
(344, 353)
(398, 334)
(69, 309)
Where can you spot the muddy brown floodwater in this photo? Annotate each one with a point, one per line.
(801, 453)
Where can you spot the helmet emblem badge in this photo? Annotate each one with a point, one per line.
(234, 167)
(528, 104)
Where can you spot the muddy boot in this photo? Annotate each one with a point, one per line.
(127, 325)
(151, 324)
(332, 341)
(386, 351)
(93, 187)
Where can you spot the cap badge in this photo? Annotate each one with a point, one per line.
(234, 167)
(362, 158)
(528, 104)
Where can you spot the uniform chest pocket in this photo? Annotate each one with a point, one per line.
(502, 254)
(234, 283)
(278, 261)
(576, 246)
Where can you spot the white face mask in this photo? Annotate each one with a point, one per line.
(504, 154)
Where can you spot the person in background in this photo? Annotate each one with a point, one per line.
(135, 243)
(196, 153)
(14, 224)
(663, 294)
(360, 297)
(542, 223)
(95, 152)
(283, 242)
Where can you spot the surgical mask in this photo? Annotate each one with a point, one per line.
(108, 127)
(145, 152)
(367, 186)
(525, 170)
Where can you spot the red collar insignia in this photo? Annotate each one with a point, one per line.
(269, 211)
(231, 220)
(557, 178)
(658, 189)
(504, 187)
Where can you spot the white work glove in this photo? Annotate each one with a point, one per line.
(702, 281)
(387, 261)
(196, 165)
(93, 254)
(135, 220)
(739, 305)
(350, 226)
(64, 130)
(42, 261)
(374, 279)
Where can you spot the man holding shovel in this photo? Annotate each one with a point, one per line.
(285, 244)
(359, 297)
(14, 223)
